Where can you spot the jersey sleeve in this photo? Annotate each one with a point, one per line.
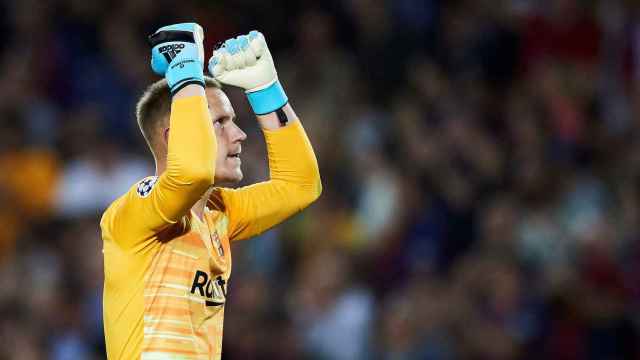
(155, 203)
(294, 184)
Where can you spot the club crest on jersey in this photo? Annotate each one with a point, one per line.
(214, 290)
(146, 185)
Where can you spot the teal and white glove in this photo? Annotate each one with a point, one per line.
(178, 55)
(245, 62)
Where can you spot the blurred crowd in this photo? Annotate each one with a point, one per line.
(480, 162)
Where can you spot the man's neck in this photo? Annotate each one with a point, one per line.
(198, 207)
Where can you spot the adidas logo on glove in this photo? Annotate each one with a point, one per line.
(171, 51)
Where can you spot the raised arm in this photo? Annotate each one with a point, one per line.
(191, 150)
(190, 164)
(294, 181)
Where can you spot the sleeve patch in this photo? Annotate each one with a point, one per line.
(146, 185)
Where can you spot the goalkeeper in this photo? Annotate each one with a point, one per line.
(167, 256)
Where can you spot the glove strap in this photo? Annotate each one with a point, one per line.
(183, 73)
(171, 36)
(267, 100)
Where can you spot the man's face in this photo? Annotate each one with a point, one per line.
(229, 137)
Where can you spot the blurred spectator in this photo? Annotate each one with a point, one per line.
(333, 316)
(99, 173)
(28, 179)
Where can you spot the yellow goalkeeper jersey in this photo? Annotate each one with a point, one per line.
(167, 270)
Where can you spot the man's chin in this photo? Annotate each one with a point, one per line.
(229, 178)
(238, 177)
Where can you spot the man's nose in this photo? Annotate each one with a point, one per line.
(238, 134)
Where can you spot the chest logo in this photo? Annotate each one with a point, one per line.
(214, 290)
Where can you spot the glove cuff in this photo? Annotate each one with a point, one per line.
(182, 73)
(267, 100)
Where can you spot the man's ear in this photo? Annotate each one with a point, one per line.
(165, 136)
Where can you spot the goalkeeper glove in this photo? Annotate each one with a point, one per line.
(245, 62)
(178, 55)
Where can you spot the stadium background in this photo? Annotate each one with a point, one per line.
(480, 161)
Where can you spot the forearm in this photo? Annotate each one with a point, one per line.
(192, 146)
(272, 121)
(292, 162)
(188, 91)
